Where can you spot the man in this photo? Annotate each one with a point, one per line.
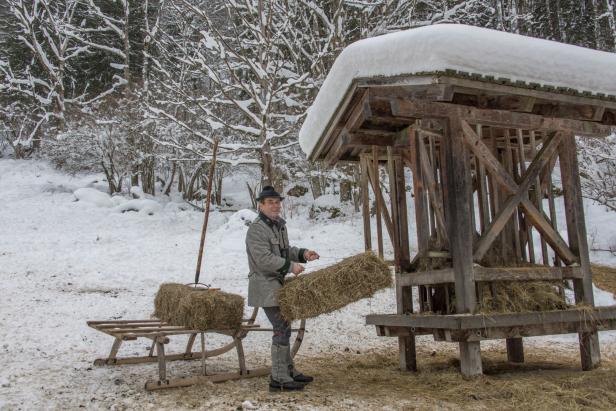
(270, 259)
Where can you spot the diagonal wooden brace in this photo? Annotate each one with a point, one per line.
(534, 216)
(529, 177)
(374, 181)
(433, 191)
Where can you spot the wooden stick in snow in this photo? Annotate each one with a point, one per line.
(207, 211)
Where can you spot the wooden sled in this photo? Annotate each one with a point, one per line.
(160, 333)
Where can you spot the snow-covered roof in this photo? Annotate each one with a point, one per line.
(462, 48)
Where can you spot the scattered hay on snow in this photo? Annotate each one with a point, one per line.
(198, 308)
(334, 287)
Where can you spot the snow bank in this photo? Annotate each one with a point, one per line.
(230, 240)
(328, 200)
(463, 48)
(176, 206)
(143, 206)
(239, 220)
(93, 196)
(58, 188)
(602, 298)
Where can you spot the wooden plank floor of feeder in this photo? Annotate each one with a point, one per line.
(478, 321)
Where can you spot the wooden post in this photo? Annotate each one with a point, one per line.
(421, 212)
(515, 350)
(457, 202)
(203, 363)
(515, 346)
(379, 206)
(403, 230)
(576, 229)
(162, 364)
(393, 196)
(114, 351)
(240, 355)
(404, 294)
(513, 234)
(527, 227)
(365, 207)
(482, 193)
(422, 222)
(539, 199)
(189, 344)
(552, 208)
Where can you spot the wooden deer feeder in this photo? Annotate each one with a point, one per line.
(481, 119)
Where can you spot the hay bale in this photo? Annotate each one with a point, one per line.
(520, 296)
(334, 287)
(212, 310)
(167, 301)
(198, 308)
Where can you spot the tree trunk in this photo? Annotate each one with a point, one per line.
(126, 35)
(110, 179)
(181, 179)
(167, 188)
(218, 186)
(345, 191)
(148, 177)
(355, 190)
(315, 187)
(611, 19)
(269, 174)
(190, 189)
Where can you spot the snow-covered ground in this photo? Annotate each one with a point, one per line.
(63, 262)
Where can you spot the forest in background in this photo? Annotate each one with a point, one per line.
(140, 90)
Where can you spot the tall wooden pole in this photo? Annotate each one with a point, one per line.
(210, 178)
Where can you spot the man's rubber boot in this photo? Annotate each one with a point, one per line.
(281, 380)
(276, 386)
(293, 373)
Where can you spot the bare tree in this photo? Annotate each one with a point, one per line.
(598, 170)
(244, 71)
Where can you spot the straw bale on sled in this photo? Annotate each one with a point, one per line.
(198, 308)
(333, 287)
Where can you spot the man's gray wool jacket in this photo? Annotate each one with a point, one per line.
(269, 260)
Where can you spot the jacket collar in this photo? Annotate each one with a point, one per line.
(272, 223)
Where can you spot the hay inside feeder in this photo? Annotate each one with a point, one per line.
(198, 308)
(334, 287)
(520, 296)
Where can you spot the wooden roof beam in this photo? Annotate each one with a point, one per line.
(360, 138)
(438, 92)
(501, 118)
(360, 112)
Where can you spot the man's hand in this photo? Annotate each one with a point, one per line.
(310, 255)
(297, 268)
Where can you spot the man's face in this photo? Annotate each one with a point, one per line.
(271, 207)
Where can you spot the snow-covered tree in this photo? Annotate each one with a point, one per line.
(244, 72)
(49, 44)
(41, 75)
(107, 143)
(598, 170)
(20, 127)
